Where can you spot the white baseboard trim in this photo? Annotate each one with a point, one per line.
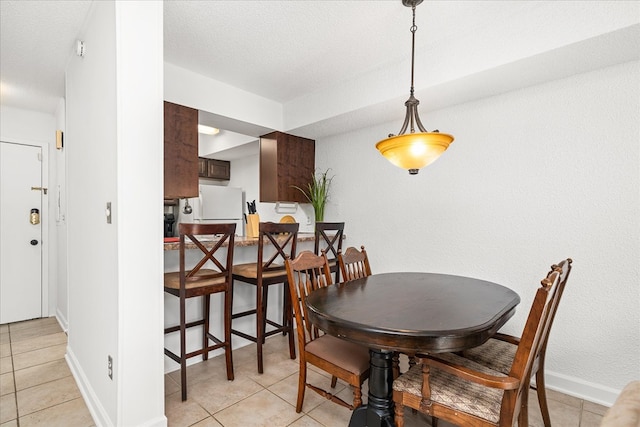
(158, 422)
(96, 409)
(64, 323)
(582, 389)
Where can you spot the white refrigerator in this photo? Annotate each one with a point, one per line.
(216, 204)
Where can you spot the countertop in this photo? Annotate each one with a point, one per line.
(240, 241)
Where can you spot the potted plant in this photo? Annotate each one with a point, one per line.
(318, 193)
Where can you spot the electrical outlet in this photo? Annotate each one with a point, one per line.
(110, 366)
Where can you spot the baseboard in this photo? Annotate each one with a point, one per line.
(96, 409)
(158, 422)
(582, 389)
(62, 320)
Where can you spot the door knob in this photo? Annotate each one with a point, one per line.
(34, 242)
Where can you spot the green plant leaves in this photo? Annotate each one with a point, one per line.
(318, 192)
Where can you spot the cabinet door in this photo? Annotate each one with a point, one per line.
(180, 151)
(203, 167)
(285, 161)
(218, 169)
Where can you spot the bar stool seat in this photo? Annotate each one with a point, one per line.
(250, 270)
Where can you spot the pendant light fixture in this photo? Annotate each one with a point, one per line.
(413, 150)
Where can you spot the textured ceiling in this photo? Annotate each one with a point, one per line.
(36, 41)
(277, 49)
(285, 49)
(351, 58)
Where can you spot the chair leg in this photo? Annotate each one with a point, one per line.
(265, 303)
(206, 305)
(523, 416)
(288, 316)
(541, 391)
(285, 319)
(399, 411)
(357, 396)
(334, 381)
(183, 350)
(302, 385)
(260, 325)
(395, 365)
(228, 300)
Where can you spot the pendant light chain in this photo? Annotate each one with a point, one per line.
(412, 119)
(413, 45)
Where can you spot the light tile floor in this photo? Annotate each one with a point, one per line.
(37, 389)
(36, 385)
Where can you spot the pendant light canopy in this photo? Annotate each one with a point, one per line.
(413, 150)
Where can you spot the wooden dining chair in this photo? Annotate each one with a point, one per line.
(342, 359)
(199, 281)
(278, 239)
(354, 264)
(466, 393)
(498, 353)
(328, 238)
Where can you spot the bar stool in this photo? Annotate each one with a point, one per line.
(269, 270)
(329, 239)
(202, 282)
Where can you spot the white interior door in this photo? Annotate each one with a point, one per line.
(20, 240)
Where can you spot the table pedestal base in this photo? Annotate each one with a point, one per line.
(378, 412)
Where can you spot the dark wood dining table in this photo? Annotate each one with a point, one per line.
(408, 312)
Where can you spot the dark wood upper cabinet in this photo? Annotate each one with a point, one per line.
(214, 169)
(285, 161)
(180, 151)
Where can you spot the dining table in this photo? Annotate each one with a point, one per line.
(409, 312)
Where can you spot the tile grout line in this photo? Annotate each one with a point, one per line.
(13, 375)
(13, 367)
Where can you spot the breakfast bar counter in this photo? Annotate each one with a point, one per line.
(240, 241)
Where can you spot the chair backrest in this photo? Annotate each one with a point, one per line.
(564, 268)
(354, 264)
(306, 273)
(329, 238)
(536, 332)
(283, 238)
(189, 233)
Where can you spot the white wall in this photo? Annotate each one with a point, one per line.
(245, 173)
(36, 128)
(194, 90)
(18, 123)
(114, 140)
(534, 176)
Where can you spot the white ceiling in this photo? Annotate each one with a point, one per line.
(277, 49)
(288, 51)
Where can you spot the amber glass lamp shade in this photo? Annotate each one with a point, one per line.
(413, 151)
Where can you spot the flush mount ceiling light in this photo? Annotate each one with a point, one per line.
(413, 150)
(208, 130)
